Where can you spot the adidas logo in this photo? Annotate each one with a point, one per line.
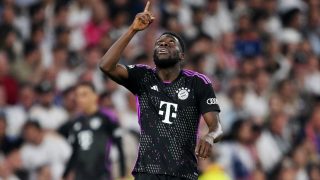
(155, 87)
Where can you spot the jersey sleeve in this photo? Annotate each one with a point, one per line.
(135, 75)
(207, 100)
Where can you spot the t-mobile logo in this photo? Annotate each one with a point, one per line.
(168, 111)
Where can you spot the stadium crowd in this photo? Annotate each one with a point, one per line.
(263, 57)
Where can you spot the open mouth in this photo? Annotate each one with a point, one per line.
(163, 51)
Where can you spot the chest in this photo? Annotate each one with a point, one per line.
(88, 130)
(179, 93)
(171, 103)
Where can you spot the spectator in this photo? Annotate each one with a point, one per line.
(313, 76)
(312, 129)
(286, 170)
(300, 159)
(227, 61)
(312, 29)
(98, 25)
(18, 114)
(92, 57)
(7, 81)
(274, 142)
(288, 95)
(29, 68)
(217, 19)
(6, 144)
(79, 14)
(49, 115)
(41, 150)
(236, 110)
(66, 74)
(239, 156)
(314, 171)
(256, 98)
(69, 104)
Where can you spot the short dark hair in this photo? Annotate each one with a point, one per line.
(181, 42)
(30, 47)
(44, 87)
(68, 90)
(32, 123)
(86, 84)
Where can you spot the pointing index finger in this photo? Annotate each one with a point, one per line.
(146, 9)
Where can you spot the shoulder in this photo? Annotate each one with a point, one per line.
(58, 110)
(107, 112)
(36, 108)
(139, 66)
(76, 125)
(52, 136)
(198, 77)
(139, 70)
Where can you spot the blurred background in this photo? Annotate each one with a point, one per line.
(262, 56)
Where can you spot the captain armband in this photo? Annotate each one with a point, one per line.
(210, 137)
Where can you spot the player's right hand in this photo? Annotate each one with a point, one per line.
(143, 20)
(203, 149)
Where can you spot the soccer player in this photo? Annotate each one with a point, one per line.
(91, 136)
(171, 101)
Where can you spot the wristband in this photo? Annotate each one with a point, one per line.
(210, 137)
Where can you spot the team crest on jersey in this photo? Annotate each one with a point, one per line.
(95, 123)
(183, 93)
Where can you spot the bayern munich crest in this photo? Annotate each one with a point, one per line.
(183, 93)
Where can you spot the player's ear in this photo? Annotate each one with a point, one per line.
(181, 56)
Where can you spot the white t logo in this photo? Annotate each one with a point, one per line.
(168, 111)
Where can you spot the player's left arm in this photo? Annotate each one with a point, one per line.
(205, 144)
(73, 141)
(209, 108)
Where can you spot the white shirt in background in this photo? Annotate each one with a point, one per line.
(49, 118)
(16, 117)
(53, 152)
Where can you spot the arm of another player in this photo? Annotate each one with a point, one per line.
(109, 62)
(204, 147)
(73, 158)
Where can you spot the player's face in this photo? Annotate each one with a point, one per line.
(31, 134)
(85, 98)
(167, 51)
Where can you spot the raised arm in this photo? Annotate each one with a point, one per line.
(109, 62)
(203, 149)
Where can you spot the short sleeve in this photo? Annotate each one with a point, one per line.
(207, 100)
(135, 73)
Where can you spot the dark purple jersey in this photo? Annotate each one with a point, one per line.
(169, 115)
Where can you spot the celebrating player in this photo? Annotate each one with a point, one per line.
(171, 101)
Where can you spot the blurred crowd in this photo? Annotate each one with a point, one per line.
(262, 56)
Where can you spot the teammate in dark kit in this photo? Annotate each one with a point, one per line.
(91, 136)
(171, 101)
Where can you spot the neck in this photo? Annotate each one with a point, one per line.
(169, 74)
(91, 110)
